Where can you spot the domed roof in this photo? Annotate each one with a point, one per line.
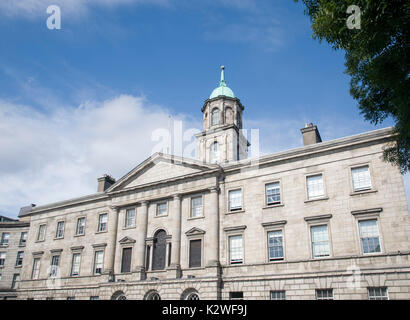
(223, 89)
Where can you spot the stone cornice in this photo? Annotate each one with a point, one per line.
(238, 228)
(16, 224)
(274, 223)
(222, 98)
(367, 211)
(320, 217)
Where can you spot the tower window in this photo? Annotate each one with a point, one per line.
(215, 117)
(214, 153)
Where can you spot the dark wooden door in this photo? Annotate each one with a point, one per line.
(126, 260)
(159, 250)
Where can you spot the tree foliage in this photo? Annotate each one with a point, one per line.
(377, 59)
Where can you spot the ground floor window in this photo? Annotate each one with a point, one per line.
(236, 295)
(324, 294)
(378, 293)
(278, 295)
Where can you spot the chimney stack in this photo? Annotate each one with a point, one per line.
(105, 182)
(310, 134)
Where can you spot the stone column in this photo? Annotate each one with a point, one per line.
(175, 267)
(141, 236)
(212, 235)
(112, 229)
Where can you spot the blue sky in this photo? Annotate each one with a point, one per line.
(82, 101)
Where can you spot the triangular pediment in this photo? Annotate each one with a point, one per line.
(194, 231)
(127, 240)
(160, 167)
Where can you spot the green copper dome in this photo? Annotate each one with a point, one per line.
(222, 90)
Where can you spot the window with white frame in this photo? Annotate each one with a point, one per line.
(272, 193)
(235, 249)
(16, 278)
(378, 293)
(55, 260)
(162, 208)
(60, 229)
(23, 239)
(320, 241)
(2, 259)
(36, 269)
(5, 237)
(361, 178)
(130, 218)
(196, 207)
(369, 236)
(324, 294)
(41, 232)
(275, 245)
(98, 262)
(214, 152)
(235, 199)
(314, 186)
(278, 295)
(19, 259)
(102, 222)
(80, 230)
(215, 117)
(75, 265)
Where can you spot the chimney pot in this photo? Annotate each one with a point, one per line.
(310, 134)
(105, 182)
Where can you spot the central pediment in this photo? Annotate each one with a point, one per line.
(161, 167)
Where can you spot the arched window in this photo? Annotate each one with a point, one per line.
(152, 295)
(215, 117)
(190, 294)
(119, 295)
(159, 250)
(229, 116)
(214, 153)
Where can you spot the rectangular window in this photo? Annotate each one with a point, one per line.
(126, 260)
(278, 295)
(70, 298)
(2, 259)
(377, 293)
(361, 178)
(80, 230)
(23, 239)
(75, 264)
(148, 255)
(369, 236)
(16, 278)
(49, 298)
(235, 249)
(324, 294)
(60, 229)
(41, 232)
(272, 193)
(235, 295)
(320, 241)
(196, 207)
(5, 239)
(195, 248)
(129, 218)
(55, 260)
(162, 209)
(95, 298)
(98, 262)
(19, 260)
(36, 269)
(315, 186)
(235, 200)
(102, 222)
(275, 245)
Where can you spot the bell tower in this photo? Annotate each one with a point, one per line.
(222, 140)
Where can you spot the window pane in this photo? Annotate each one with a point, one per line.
(195, 247)
(320, 241)
(214, 152)
(361, 178)
(235, 199)
(235, 249)
(273, 193)
(103, 222)
(324, 294)
(98, 262)
(75, 271)
(277, 295)
(215, 117)
(315, 186)
(369, 235)
(130, 218)
(378, 293)
(80, 226)
(275, 245)
(162, 209)
(196, 207)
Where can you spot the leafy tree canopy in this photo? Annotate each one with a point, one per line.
(377, 59)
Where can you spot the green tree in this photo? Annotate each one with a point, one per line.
(377, 59)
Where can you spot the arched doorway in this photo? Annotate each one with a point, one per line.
(159, 250)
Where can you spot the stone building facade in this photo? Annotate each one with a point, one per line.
(326, 220)
(13, 238)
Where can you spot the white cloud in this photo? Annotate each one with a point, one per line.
(52, 157)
